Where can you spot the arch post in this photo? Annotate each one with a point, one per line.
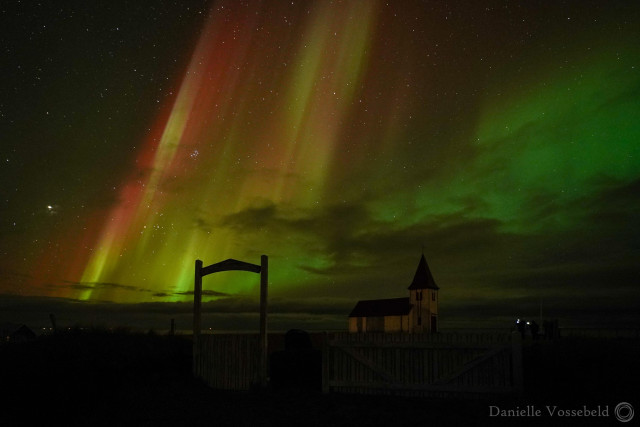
(264, 284)
(197, 309)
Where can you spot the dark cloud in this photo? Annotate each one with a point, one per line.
(161, 294)
(469, 256)
(80, 286)
(268, 217)
(103, 285)
(617, 205)
(354, 241)
(203, 225)
(254, 217)
(205, 292)
(109, 285)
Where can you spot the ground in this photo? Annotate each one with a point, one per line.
(118, 378)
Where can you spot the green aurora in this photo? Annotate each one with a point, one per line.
(339, 138)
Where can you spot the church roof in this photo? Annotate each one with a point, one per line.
(382, 307)
(423, 278)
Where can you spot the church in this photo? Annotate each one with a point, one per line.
(415, 314)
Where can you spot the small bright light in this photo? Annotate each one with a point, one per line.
(49, 207)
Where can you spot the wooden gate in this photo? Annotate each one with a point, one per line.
(423, 364)
(229, 361)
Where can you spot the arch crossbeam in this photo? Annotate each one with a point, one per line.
(229, 265)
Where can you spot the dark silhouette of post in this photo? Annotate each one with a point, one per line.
(228, 265)
(54, 325)
(197, 300)
(264, 284)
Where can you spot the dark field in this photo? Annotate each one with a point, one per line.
(118, 378)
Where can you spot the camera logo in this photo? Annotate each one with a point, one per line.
(624, 412)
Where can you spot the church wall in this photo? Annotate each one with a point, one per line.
(394, 323)
(379, 324)
(353, 324)
(375, 324)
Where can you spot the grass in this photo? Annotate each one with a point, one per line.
(99, 377)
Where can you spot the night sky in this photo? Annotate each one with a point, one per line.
(340, 138)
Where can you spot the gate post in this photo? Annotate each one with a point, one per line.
(264, 284)
(197, 300)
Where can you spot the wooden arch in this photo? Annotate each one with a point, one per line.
(229, 265)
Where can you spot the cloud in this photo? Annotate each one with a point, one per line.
(161, 294)
(484, 272)
(268, 216)
(205, 292)
(79, 286)
(470, 257)
(331, 230)
(353, 243)
(203, 225)
(617, 205)
(103, 285)
(109, 285)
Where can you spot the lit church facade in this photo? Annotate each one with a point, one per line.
(416, 313)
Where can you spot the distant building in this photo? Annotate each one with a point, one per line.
(416, 313)
(11, 332)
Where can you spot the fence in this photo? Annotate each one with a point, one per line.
(422, 364)
(408, 364)
(621, 333)
(229, 361)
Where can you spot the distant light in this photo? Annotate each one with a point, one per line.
(49, 207)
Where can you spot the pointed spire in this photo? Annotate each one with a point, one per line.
(423, 278)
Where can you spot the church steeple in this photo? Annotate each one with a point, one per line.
(423, 278)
